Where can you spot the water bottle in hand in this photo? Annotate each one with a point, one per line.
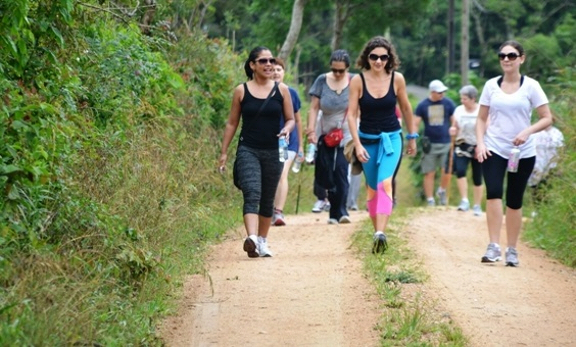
(310, 153)
(297, 163)
(282, 149)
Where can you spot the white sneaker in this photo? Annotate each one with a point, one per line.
(318, 206)
(464, 205)
(332, 221)
(344, 220)
(263, 249)
(477, 210)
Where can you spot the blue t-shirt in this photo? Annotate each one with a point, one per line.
(296, 104)
(436, 116)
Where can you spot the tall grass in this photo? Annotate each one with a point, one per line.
(554, 226)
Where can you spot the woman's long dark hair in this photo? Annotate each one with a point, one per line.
(252, 58)
(375, 42)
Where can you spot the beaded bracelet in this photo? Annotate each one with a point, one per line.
(412, 136)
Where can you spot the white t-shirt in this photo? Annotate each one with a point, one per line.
(466, 124)
(509, 114)
(547, 143)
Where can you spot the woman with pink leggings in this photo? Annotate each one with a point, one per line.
(378, 135)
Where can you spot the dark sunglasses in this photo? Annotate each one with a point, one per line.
(375, 57)
(265, 61)
(511, 56)
(338, 70)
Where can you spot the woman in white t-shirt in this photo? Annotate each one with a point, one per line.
(503, 123)
(464, 127)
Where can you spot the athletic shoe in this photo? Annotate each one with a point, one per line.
(493, 254)
(344, 220)
(380, 243)
(332, 221)
(327, 206)
(278, 219)
(441, 194)
(431, 202)
(353, 207)
(250, 247)
(464, 205)
(477, 210)
(318, 206)
(512, 257)
(263, 249)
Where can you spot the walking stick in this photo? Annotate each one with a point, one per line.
(450, 163)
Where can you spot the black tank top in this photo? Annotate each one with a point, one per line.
(378, 115)
(261, 133)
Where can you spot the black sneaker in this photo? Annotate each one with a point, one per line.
(250, 248)
(380, 243)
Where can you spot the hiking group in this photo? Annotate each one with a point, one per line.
(355, 126)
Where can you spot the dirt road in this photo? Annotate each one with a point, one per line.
(313, 292)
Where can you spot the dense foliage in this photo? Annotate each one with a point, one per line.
(110, 118)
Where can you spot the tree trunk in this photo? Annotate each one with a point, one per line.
(481, 39)
(465, 41)
(148, 16)
(295, 26)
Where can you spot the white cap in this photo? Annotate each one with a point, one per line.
(437, 86)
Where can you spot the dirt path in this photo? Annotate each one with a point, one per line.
(313, 293)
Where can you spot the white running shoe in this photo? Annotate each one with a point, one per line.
(477, 210)
(332, 221)
(263, 249)
(318, 206)
(464, 205)
(344, 220)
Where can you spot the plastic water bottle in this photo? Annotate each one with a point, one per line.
(297, 163)
(514, 159)
(282, 149)
(310, 153)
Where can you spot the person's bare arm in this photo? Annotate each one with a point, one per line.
(231, 125)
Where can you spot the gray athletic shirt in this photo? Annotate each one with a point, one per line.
(332, 105)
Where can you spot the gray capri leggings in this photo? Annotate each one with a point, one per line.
(258, 172)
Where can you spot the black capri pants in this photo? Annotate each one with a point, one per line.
(461, 165)
(259, 172)
(494, 170)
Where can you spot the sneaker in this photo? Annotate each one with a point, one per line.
(278, 219)
(464, 205)
(441, 194)
(263, 248)
(512, 257)
(431, 202)
(493, 254)
(250, 247)
(380, 243)
(332, 221)
(353, 208)
(318, 206)
(477, 210)
(327, 206)
(344, 220)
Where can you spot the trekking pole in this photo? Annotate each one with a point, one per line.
(450, 163)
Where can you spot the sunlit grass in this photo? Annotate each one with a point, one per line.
(409, 317)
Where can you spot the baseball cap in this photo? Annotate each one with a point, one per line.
(437, 86)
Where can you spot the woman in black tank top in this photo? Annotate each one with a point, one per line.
(375, 129)
(257, 167)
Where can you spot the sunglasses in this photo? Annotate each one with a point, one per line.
(375, 57)
(511, 56)
(338, 70)
(265, 61)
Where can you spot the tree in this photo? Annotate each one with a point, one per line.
(294, 32)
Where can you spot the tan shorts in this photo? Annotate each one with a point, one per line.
(437, 158)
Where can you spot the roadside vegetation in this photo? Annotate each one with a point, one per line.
(109, 193)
